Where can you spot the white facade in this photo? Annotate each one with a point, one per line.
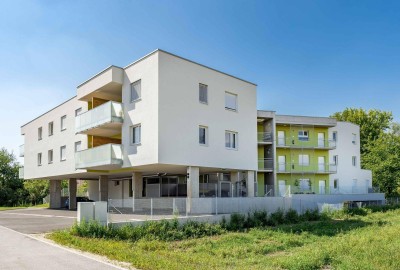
(350, 178)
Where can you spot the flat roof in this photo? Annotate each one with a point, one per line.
(305, 120)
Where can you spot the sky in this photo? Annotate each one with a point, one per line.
(307, 57)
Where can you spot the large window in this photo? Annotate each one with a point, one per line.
(203, 93)
(78, 146)
(203, 136)
(40, 133)
(63, 122)
(50, 156)
(136, 90)
(63, 153)
(303, 135)
(51, 128)
(39, 159)
(230, 101)
(304, 160)
(231, 140)
(136, 134)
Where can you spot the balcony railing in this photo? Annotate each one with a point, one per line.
(295, 143)
(266, 164)
(289, 190)
(21, 172)
(107, 113)
(306, 168)
(22, 150)
(104, 156)
(264, 137)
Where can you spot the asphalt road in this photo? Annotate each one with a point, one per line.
(19, 250)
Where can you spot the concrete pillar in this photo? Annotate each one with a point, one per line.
(193, 174)
(234, 180)
(250, 183)
(137, 185)
(55, 194)
(103, 188)
(72, 187)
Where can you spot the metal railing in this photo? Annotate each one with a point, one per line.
(22, 150)
(105, 113)
(107, 154)
(296, 143)
(264, 137)
(306, 168)
(265, 164)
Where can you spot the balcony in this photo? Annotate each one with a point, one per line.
(104, 157)
(311, 144)
(21, 173)
(264, 137)
(266, 165)
(298, 168)
(104, 120)
(22, 150)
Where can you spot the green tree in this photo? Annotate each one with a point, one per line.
(372, 123)
(12, 190)
(37, 190)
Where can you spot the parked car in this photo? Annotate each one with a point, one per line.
(78, 199)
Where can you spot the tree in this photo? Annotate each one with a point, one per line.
(372, 123)
(383, 158)
(11, 187)
(37, 190)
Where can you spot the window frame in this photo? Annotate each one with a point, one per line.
(354, 161)
(61, 153)
(39, 159)
(236, 102)
(206, 93)
(78, 111)
(63, 124)
(50, 124)
(303, 137)
(50, 161)
(301, 160)
(334, 136)
(233, 137)
(336, 159)
(132, 135)
(78, 143)
(140, 92)
(205, 135)
(40, 133)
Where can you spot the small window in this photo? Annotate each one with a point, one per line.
(78, 146)
(203, 140)
(63, 122)
(230, 101)
(336, 183)
(78, 111)
(354, 161)
(335, 159)
(354, 140)
(51, 128)
(40, 133)
(116, 183)
(50, 156)
(136, 91)
(39, 159)
(334, 136)
(231, 140)
(303, 135)
(203, 93)
(136, 134)
(304, 160)
(63, 153)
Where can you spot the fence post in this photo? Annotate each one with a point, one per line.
(216, 205)
(173, 206)
(151, 208)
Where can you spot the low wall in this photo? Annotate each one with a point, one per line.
(339, 198)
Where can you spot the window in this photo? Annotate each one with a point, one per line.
(354, 160)
(130, 188)
(203, 93)
(354, 140)
(78, 111)
(63, 122)
(136, 91)
(63, 153)
(78, 146)
(203, 140)
(304, 160)
(231, 140)
(303, 135)
(40, 133)
(136, 134)
(304, 184)
(336, 183)
(50, 156)
(230, 101)
(116, 183)
(335, 159)
(51, 128)
(39, 159)
(334, 136)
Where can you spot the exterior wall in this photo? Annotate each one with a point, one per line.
(345, 149)
(180, 114)
(67, 137)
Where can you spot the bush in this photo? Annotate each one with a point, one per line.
(311, 215)
(237, 222)
(291, 216)
(277, 218)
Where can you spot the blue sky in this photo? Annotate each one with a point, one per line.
(307, 57)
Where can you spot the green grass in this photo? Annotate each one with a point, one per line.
(4, 208)
(367, 239)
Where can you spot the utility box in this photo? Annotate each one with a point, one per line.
(88, 211)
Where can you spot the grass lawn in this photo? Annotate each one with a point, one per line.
(369, 241)
(3, 208)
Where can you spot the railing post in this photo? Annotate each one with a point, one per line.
(216, 205)
(173, 206)
(151, 208)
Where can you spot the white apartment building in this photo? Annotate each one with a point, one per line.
(162, 120)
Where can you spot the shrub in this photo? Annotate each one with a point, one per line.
(276, 218)
(291, 216)
(311, 215)
(237, 222)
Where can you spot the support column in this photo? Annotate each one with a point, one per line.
(55, 194)
(137, 185)
(193, 174)
(234, 180)
(103, 188)
(250, 183)
(72, 187)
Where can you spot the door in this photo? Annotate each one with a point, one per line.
(321, 186)
(321, 164)
(281, 163)
(321, 139)
(281, 137)
(282, 188)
